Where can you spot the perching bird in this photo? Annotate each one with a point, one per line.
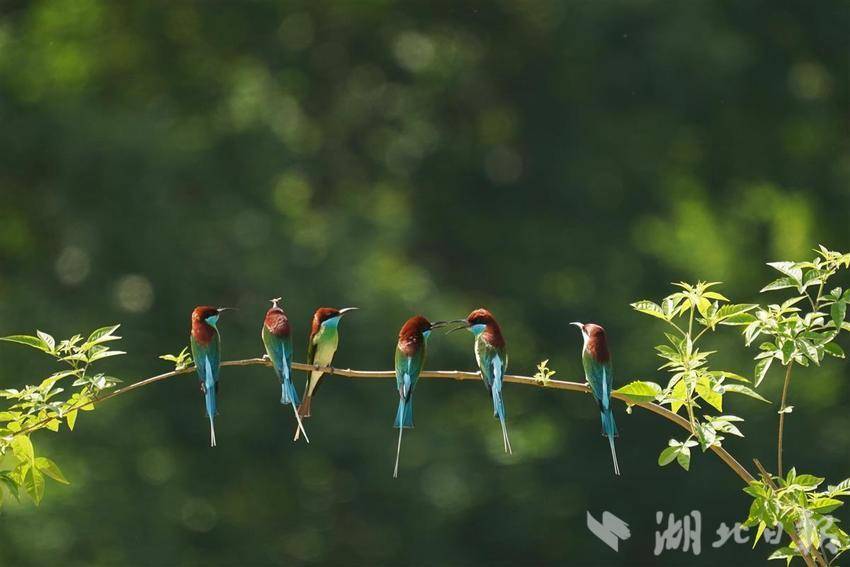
(277, 339)
(324, 339)
(598, 371)
(492, 358)
(409, 359)
(206, 352)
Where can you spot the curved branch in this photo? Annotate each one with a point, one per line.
(724, 455)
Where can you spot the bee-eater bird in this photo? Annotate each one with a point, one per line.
(276, 335)
(409, 360)
(596, 359)
(206, 352)
(324, 340)
(492, 358)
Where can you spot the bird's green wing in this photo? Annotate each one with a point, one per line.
(486, 355)
(407, 369)
(276, 348)
(600, 376)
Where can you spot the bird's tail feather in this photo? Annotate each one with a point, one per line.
(304, 406)
(210, 404)
(609, 429)
(302, 413)
(288, 395)
(212, 431)
(404, 415)
(499, 411)
(300, 429)
(398, 452)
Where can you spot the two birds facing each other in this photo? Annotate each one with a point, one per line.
(490, 354)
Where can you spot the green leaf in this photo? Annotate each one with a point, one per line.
(838, 311)
(650, 308)
(10, 485)
(22, 448)
(787, 553)
(678, 396)
(781, 283)
(736, 314)
(640, 391)
(790, 269)
(71, 418)
(28, 340)
(741, 389)
(667, 456)
(824, 505)
(808, 481)
(51, 469)
(34, 484)
(683, 457)
(711, 396)
(103, 334)
(105, 354)
(762, 366)
(762, 525)
(48, 341)
(729, 375)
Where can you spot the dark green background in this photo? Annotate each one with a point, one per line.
(552, 161)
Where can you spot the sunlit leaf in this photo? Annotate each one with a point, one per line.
(639, 391)
(28, 340)
(741, 389)
(51, 469)
(650, 308)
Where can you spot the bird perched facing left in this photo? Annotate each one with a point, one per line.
(206, 352)
(277, 339)
(409, 360)
(492, 357)
(599, 372)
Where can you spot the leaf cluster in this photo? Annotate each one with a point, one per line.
(57, 399)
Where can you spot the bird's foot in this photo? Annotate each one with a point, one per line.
(265, 357)
(316, 367)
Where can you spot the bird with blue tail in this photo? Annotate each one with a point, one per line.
(409, 360)
(206, 352)
(596, 359)
(277, 339)
(321, 347)
(492, 358)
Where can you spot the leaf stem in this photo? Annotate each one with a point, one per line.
(782, 419)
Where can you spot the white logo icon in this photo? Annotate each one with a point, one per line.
(610, 531)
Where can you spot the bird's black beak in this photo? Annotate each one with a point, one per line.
(223, 309)
(345, 310)
(438, 324)
(579, 325)
(461, 324)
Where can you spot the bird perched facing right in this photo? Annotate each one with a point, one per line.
(409, 360)
(321, 347)
(206, 352)
(599, 372)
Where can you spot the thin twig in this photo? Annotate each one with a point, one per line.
(782, 419)
(724, 455)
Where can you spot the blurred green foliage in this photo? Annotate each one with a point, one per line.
(551, 160)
